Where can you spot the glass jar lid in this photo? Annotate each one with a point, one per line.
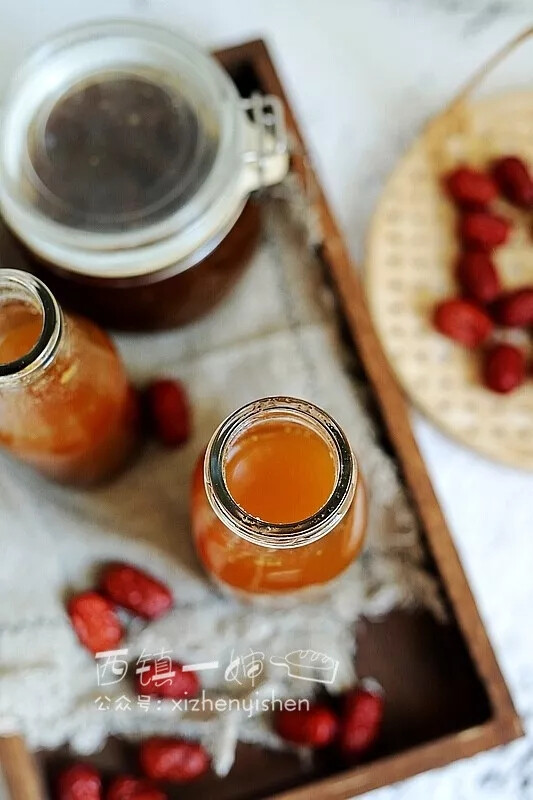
(117, 136)
(118, 151)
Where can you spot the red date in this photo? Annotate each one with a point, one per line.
(316, 726)
(514, 180)
(173, 760)
(504, 368)
(478, 277)
(483, 230)
(134, 589)
(168, 411)
(470, 188)
(95, 621)
(515, 309)
(126, 787)
(174, 683)
(463, 321)
(361, 721)
(79, 782)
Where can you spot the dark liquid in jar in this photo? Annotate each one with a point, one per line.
(167, 302)
(119, 152)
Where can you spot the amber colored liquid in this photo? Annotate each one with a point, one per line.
(280, 473)
(20, 328)
(76, 420)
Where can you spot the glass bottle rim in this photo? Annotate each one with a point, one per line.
(258, 531)
(27, 288)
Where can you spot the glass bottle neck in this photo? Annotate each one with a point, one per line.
(284, 535)
(19, 292)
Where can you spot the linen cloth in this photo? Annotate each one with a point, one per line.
(276, 334)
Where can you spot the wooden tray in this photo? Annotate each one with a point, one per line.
(446, 697)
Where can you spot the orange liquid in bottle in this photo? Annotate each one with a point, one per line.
(76, 421)
(280, 472)
(20, 328)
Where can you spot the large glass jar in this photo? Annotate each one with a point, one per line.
(278, 502)
(127, 159)
(66, 407)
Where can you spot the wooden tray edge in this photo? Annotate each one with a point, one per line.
(18, 771)
(397, 768)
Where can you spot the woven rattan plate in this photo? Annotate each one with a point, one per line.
(410, 264)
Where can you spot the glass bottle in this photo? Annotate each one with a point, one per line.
(278, 503)
(66, 407)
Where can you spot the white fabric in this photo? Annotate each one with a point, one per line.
(276, 334)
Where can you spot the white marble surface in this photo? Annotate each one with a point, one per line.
(363, 75)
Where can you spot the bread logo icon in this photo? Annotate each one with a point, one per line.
(308, 665)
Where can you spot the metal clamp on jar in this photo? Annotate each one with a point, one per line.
(127, 159)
